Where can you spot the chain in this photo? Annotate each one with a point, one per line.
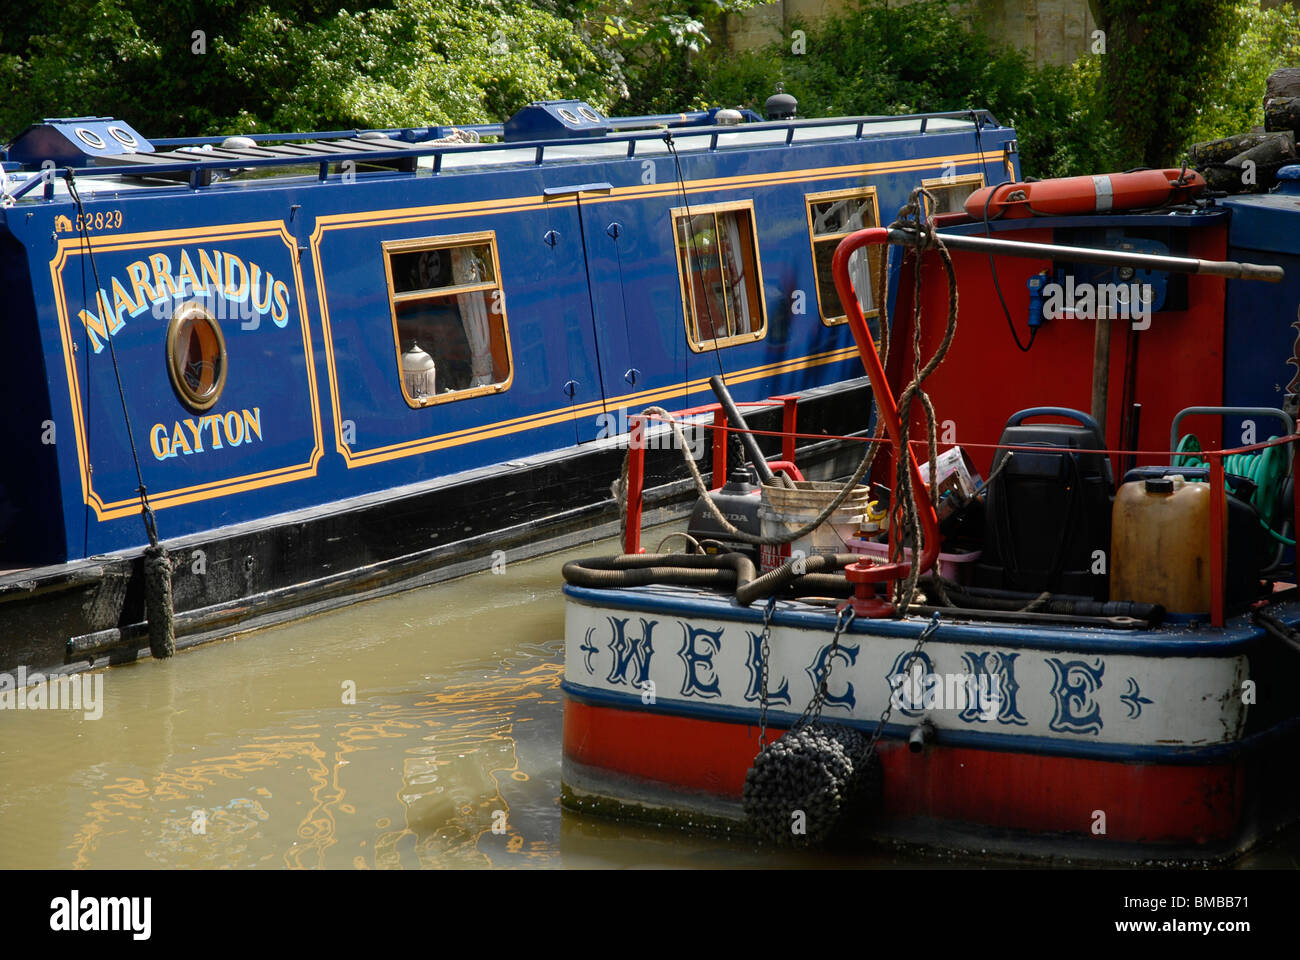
(812, 713)
(932, 626)
(768, 611)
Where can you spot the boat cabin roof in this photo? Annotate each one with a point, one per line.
(107, 156)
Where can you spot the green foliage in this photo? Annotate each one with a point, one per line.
(1231, 100)
(425, 61)
(1157, 70)
(287, 64)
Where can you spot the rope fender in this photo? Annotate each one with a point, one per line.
(158, 609)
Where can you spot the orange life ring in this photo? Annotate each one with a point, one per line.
(1074, 195)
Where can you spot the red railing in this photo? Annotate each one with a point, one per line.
(865, 574)
(636, 454)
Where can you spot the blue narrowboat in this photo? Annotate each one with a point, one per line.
(317, 367)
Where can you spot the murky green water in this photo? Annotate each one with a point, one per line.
(396, 733)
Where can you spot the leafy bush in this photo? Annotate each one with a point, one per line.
(422, 62)
(289, 64)
(919, 58)
(1232, 101)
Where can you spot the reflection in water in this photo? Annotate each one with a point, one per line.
(417, 731)
(459, 768)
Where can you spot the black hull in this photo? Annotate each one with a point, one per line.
(74, 616)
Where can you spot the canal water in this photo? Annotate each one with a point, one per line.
(421, 730)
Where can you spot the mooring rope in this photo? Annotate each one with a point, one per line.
(910, 218)
(159, 610)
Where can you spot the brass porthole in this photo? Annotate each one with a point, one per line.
(196, 356)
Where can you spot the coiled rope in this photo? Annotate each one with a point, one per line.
(159, 609)
(829, 774)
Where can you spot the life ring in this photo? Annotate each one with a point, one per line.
(1075, 195)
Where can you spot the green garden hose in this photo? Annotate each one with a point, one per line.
(1266, 469)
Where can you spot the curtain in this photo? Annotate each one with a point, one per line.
(859, 263)
(735, 270)
(465, 268)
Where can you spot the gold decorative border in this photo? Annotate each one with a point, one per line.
(204, 491)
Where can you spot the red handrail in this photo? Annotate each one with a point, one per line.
(636, 455)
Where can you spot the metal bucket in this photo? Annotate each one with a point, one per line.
(783, 510)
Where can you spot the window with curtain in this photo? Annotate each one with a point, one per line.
(449, 318)
(832, 217)
(721, 281)
(950, 193)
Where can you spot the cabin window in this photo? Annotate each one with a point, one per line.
(721, 278)
(449, 317)
(196, 356)
(950, 193)
(832, 217)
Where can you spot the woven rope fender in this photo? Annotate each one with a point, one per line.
(812, 783)
(158, 601)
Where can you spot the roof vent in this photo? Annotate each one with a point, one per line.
(780, 105)
(76, 141)
(554, 120)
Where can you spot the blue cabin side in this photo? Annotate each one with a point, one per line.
(584, 262)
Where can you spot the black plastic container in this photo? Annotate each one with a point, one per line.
(1047, 514)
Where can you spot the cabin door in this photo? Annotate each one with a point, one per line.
(619, 322)
(590, 241)
(572, 295)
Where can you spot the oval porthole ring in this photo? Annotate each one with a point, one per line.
(196, 356)
(90, 138)
(124, 138)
